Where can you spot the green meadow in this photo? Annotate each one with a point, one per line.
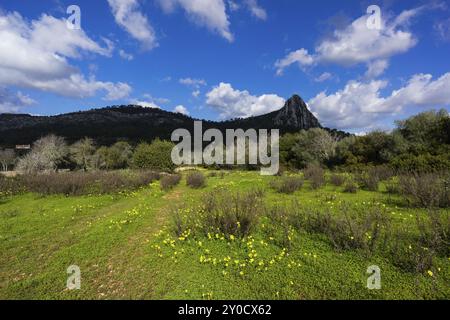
(159, 244)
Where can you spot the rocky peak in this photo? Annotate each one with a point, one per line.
(295, 114)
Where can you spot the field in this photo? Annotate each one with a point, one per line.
(153, 244)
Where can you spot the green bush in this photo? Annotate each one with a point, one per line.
(350, 187)
(154, 156)
(421, 163)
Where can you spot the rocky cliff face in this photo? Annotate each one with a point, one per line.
(135, 124)
(295, 114)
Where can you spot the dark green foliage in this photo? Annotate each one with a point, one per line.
(421, 163)
(154, 156)
(314, 145)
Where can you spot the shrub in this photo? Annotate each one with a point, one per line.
(221, 212)
(392, 187)
(196, 180)
(410, 257)
(316, 175)
(337, 180)
(287, 185)
(80, 183)
(345, 231)
(350, 187)
(368, 180)
(434, 232)
(169, 181)
(154, 156)
(10, 186)
(426, 189)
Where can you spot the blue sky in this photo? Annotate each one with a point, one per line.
(219, 59)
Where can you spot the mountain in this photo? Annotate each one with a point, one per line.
(136, 123)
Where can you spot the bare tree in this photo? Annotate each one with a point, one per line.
(7, 158)
(47, 153)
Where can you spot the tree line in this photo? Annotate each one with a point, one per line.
(419, 143)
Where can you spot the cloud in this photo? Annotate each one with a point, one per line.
(116, 91)
(195, 83)
(126, 56)
(233, 6)
(356, 44)
(323, 77)
(196, 93)
(131, 19)
(361, 104)
(181, 109)
(149, 97)
(443, 29)
(343, 109)
(31, 56)
(209, 13)
(233, 103)
(300, 57)
(12, 102)
(256, 10)
(376, 68)
(145, 104)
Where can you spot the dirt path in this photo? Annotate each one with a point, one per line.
(129, 274)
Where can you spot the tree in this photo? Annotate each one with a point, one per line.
(46, 154)
(425, 131)
(314, 145)
(7, 157)
(119, 155)
(99, 159)
(81, 153)
(155, 156)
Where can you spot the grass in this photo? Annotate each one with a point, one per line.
(126, 247)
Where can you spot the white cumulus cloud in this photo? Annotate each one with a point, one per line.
(232, 103)
(181, 109)
(356, 44)
(300, 57)
(360, 104)
(31, 56)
